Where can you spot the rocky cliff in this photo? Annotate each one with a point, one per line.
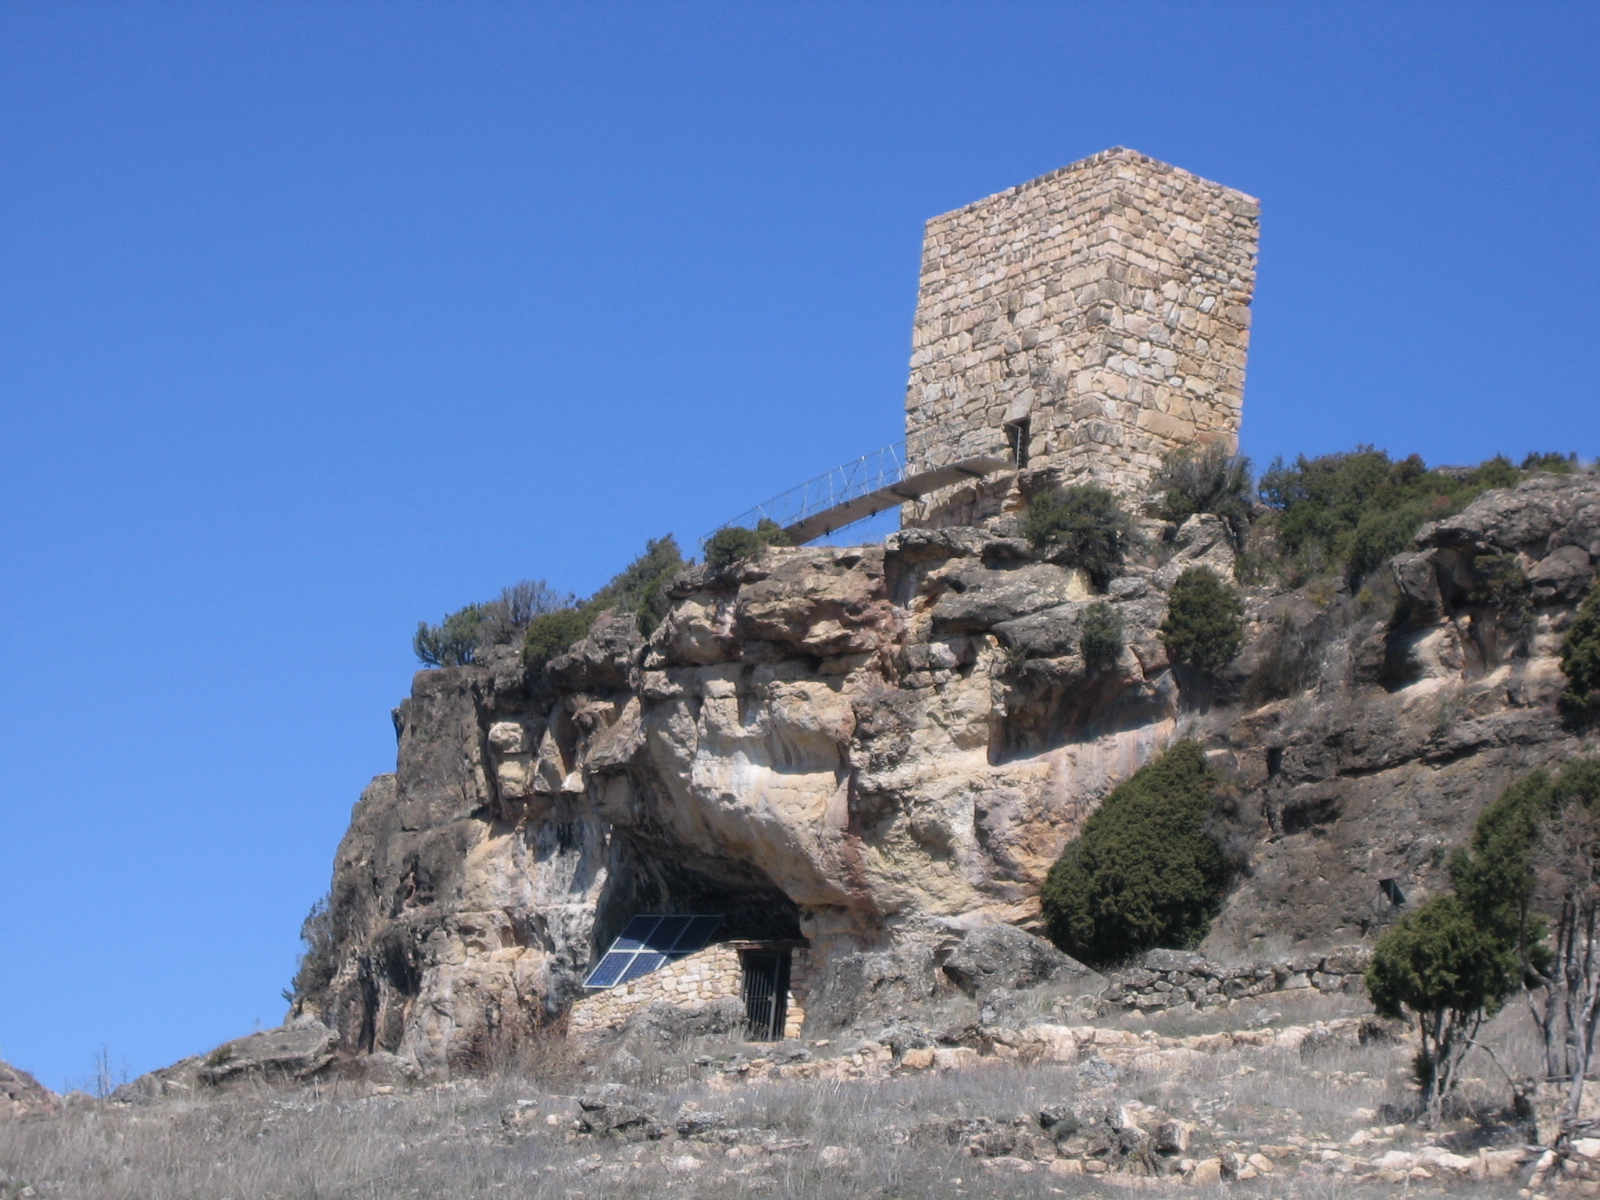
(881, 748)
(22, 1095)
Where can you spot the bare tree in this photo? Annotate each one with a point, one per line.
(1566, 1005)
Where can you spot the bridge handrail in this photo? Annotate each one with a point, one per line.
(880, 469)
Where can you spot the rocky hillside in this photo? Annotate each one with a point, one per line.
(22, 1095)
(881, 748)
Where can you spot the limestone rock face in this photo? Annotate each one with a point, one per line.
(884, 749)
(22, 1095)
(1003, 956)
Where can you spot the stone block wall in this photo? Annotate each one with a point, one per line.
(715, 973)
(1168, 978)
(1106, 303)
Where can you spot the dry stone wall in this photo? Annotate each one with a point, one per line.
(715, 973)
(1106, 304)
(1168, 978)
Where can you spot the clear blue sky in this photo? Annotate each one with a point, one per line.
(318, 319)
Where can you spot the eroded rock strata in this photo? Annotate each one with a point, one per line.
(882, 748)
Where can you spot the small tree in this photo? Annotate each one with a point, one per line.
(456, 640)
(1210, 480)
(1580, 661)
(452, 642)
(1147, 870)
(316, 966)
(530, 598)
(1556, 464)
(1534, 870)
(1205, 621)
(641, 587)
(1081, 527)
(1530, 879)
(1450, 972)
(1100, 641)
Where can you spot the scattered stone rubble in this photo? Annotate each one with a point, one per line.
(1095, 1136)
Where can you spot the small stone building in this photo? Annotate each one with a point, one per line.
(1086, 323)
(772, 979)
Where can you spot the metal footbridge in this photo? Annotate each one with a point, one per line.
(857, 490)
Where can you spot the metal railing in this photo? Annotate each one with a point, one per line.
(866, 486)
(869, 473)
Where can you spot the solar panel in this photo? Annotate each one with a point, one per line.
(649, 942)
(609, 971)
(666, 934)
(634, 934)
(642, 964)
(696, 934)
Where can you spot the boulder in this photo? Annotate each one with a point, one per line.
(22, 1095)
(291, 1053)
(670, 1024)
(1562, 577)
(1202, 541)
(978, 598)
(605, 660)
(1003, 956)
(692, 1121)
(1538, 515)
(1173, 960)
(618, 1110)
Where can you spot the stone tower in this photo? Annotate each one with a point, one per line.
(1084, 324)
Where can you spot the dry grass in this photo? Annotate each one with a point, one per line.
(827, 1140)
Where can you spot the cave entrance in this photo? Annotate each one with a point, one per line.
(766, 993)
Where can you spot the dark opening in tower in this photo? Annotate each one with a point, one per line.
(1017, 437)
(766, 993)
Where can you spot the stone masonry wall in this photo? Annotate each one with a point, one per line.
(1168, 978)
(715, 973)
(1106, 302)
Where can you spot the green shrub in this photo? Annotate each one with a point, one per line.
(1580, 661)
(1499, 583)
(1081, 526)
(1209, 480)
(1205, 621)
(1148, 869)
(1353, 510)
(1496, 472)
(1384, 532)
(1454, 961)
(316, 966)
(550, 634)
(1100, 639)
(641, 587)
(1555, 464)
(1288, 664)
(1450, 971)
(1494, 874)
(456, 640)
(736, 544)
(521, 602)
(452, 642)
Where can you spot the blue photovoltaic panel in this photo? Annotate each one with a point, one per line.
(609, 971)
(697, 935)
(648, 943)
(666, 934)
(643, 963)
(633, 937)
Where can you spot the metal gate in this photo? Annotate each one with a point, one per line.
(766, 994)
